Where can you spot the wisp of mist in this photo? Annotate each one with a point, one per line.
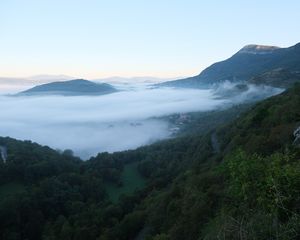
(92, 124)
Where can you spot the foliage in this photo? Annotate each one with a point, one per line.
(186, 190)
(262, 197)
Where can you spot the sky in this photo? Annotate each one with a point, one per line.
(161, 38)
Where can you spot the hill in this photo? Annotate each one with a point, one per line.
(69, 88)
(249, 62)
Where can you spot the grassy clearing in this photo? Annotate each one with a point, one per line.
(131, 179)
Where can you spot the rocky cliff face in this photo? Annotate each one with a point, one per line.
(257, 49)
(297, 136)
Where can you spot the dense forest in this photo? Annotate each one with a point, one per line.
(240, 180)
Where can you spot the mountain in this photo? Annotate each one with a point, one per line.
(71, 88)
(249, 62)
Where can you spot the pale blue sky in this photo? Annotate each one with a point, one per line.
(163, 38)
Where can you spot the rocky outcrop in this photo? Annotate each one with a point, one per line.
(297, 136)
(258, 49)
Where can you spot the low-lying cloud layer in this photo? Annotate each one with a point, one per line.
(88, 125)
(241, 92)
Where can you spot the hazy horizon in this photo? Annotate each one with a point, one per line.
(14, 85)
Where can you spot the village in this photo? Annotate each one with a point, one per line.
(177, 121)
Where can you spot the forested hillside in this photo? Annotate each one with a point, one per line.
(247, 188)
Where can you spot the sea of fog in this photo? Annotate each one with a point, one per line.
(92, 124)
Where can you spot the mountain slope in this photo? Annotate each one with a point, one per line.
(241, 191)
(250, 61)
(279, 77)
(72, 87)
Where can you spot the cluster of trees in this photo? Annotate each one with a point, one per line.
(263, 196)
(247, 190)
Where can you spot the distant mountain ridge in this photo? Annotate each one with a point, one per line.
(247, 63)
(71, 87)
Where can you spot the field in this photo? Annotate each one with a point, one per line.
(131, 179)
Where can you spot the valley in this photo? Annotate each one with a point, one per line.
(218, 159)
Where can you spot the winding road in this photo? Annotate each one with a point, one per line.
(3, 153)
